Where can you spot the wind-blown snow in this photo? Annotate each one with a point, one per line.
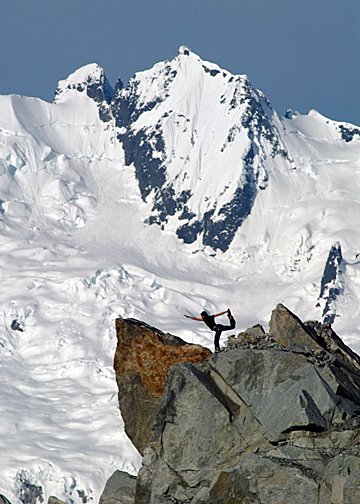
(76, 252)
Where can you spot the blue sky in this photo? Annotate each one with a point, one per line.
(302, 53)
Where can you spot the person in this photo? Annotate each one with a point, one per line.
(209, 320)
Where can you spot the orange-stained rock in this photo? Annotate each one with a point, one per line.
(143, 358)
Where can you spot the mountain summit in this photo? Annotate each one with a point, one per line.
(202, 141)
(90, 79)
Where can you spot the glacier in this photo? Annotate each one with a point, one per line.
(181, 191)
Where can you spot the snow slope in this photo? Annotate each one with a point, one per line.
(93, 192)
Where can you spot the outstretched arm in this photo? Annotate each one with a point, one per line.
(218, 314)
(193, 318)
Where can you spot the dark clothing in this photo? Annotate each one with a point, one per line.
(209, 321)
(219, 328)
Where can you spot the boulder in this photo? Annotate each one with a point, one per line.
(143, 359)
(288, 330)
(54, 500)
(119, 489)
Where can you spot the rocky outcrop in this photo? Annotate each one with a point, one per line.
(54, 500)
(292, 334)
(143, 358)
(287, 330)
(273, 420)
(120, 489)
(332, 285)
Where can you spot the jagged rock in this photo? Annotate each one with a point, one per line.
(288, 330)
(331, 342)
(143, 358)
(255, 331)
(274, 425)
(262, 480)
(15, 326)
(249, 338)
(119, 489)
(231, 486)
(331, 283)
(28, 491)
(55, 500)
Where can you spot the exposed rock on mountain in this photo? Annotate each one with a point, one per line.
(120, 489)
(287, 330)
(274, 420)
(55, 500)
(331, 283)
(349, 133)
(92, 80)
(143, 358)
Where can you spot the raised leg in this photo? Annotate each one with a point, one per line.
(220, 328)
(228, 327)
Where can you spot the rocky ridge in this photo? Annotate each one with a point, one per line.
(274, 419)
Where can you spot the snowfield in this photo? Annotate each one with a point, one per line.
(76, 252)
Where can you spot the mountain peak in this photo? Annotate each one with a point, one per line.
(184, 50)
(91, 71)
(90, 78)
(185, 54)
(168, 115)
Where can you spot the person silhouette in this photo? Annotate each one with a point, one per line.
(209, 320)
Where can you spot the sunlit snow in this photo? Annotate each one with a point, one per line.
(76, 253)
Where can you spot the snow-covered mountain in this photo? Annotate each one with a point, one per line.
(183, 190)
(199, 139)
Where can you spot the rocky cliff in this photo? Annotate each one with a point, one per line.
(143, 358)
(274, 419)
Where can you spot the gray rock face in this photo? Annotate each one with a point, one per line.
(274, 420)
(140, 378)
(55, 500)
(28, 492)
(287, 330)
(120, 489)
(331, 283)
